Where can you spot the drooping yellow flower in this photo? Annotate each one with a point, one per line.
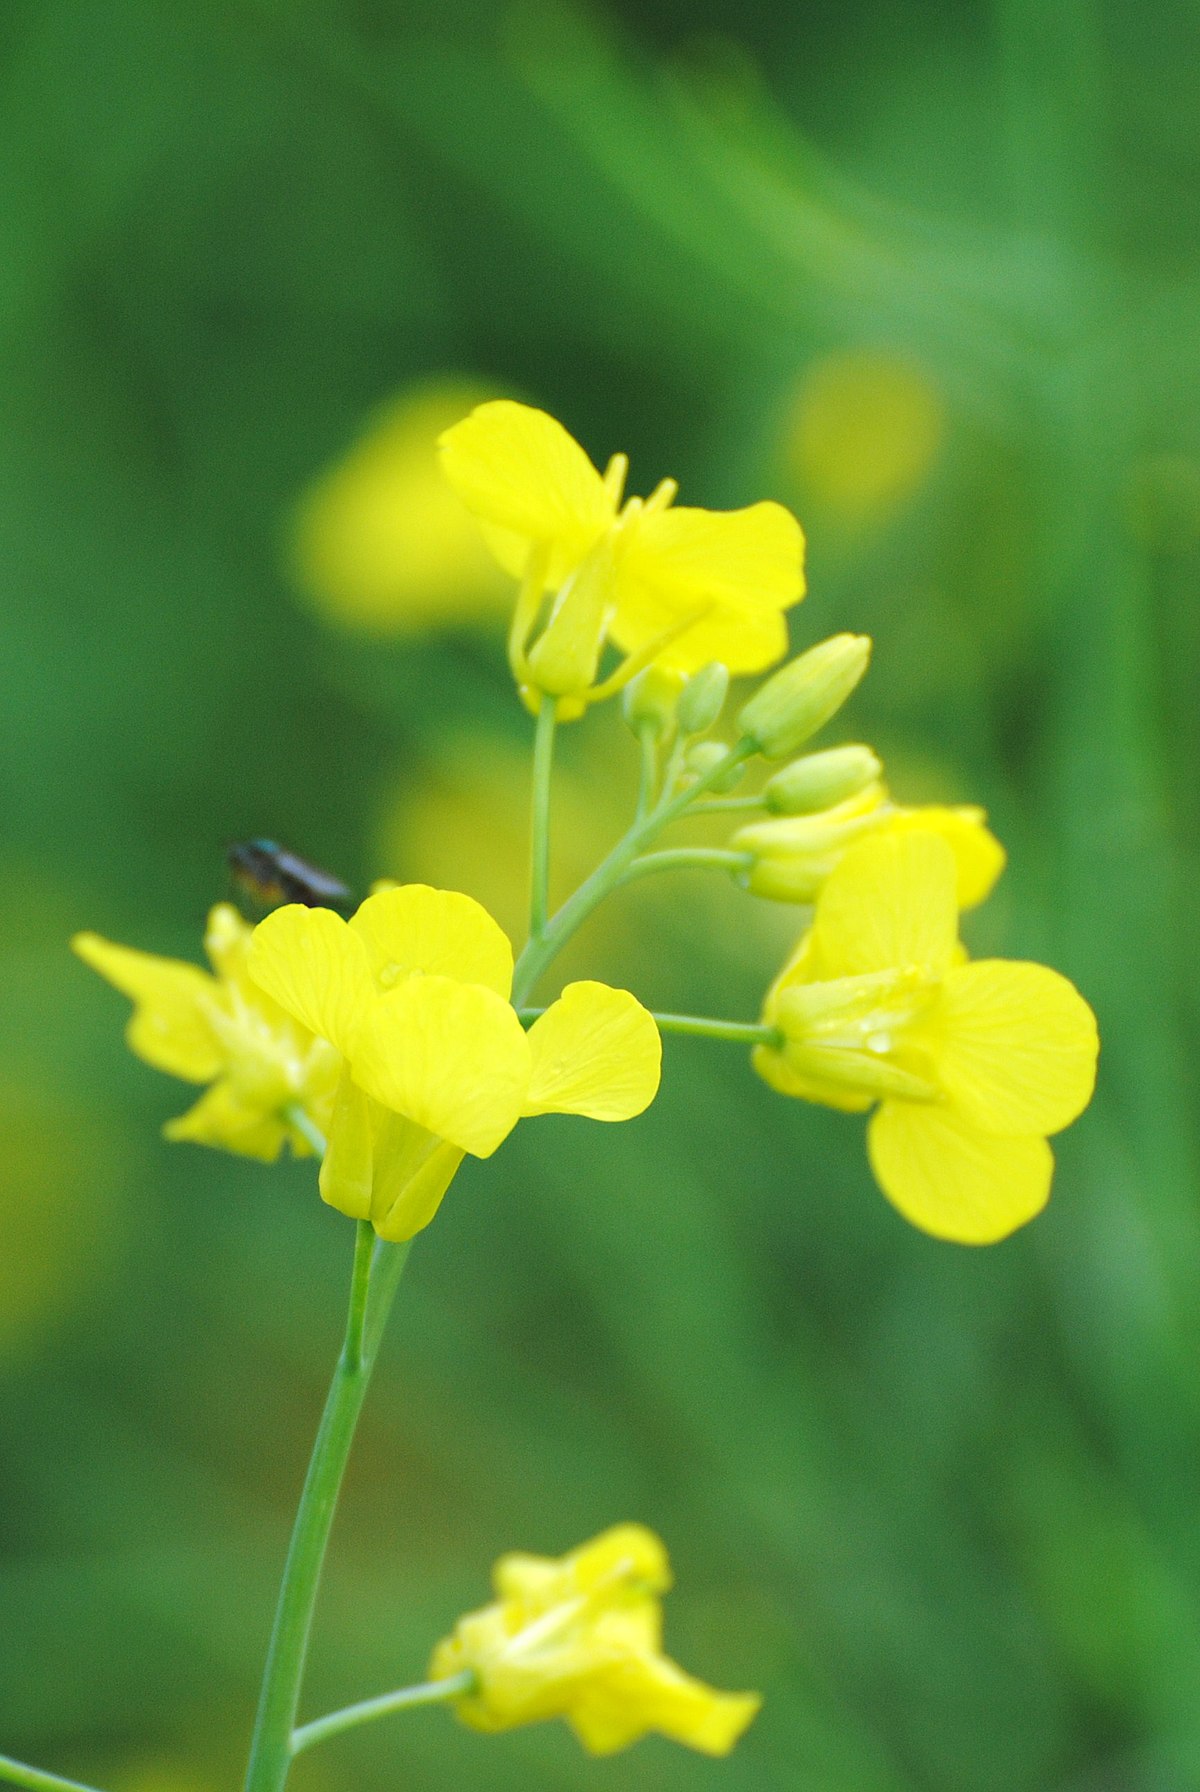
(223, 1030)
(580, 1637)
(972, 1064)
(381, 543)
(793, 855)
(679, 587)
(412, 995)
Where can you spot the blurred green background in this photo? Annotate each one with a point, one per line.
(929, 273)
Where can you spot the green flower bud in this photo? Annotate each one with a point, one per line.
(564, 659)
(703, 755)
(703, 699)
(820, 780)
(802, 697)
(651, 700)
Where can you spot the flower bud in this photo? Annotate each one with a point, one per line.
(703, 699)
(563, 660)
(792, 857)
(703, 755)
(650, 700)
(802, 697)
(820, 780)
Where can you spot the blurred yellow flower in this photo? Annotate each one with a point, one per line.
(674, 586)
(865, 430)
(580, 1637)
(793, 855)
(972, 1064)
(381, 542)
(222, 1030)
(412, 995)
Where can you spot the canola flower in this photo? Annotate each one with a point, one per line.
(412, 993)
(666, 584)
(579, 1637)
(391, 1033)
(972, 1064)
(271, 1079)
(380, 543)
(792, 856)
(398, 1042)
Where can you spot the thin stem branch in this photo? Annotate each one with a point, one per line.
(296, 1116)
(728, 805)
(432, 1692)
(737, 1032)
(688, 858)
(18, 1774)
(539, 953)
(543, 766)
(702, 1026)
(270, 1751)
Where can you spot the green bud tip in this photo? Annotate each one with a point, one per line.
(801, 697)
(820, 780)
(703, 699)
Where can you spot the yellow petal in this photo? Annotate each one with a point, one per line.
(173, 1002)
(1014, 1046)
(639, 1693)
(311, 963)
(979, 857)
(413, 1170)
(380, 540)
(347, 1169)
(440, 932)
(596, 1051)
(738, 569)
(518, 470)
(888, 904)
(451, 1056)
(954, 1180)
(222, 1119)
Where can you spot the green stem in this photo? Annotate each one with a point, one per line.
(543, 765)
(648, 744)
(738, 1032)
(18, 1774)
(540, 952)
(433, 1692)
(296, 1116)
(703, 1026)
(688, 858)
(270, 1751)
(729, 805)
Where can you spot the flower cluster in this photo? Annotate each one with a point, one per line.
(580, 1638)
(397, 1042)
(403, 1011)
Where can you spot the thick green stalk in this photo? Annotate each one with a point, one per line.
(433, 1692)
(18, 1774)
(271, 1749)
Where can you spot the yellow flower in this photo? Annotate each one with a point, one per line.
(793, 855)
(674, 586)
(225, 1031)
(412, 994)
(864, 433)
(972, 1064)
(580, 1637)
(381, 542)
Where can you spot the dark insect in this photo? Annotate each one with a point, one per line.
(270, 874)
